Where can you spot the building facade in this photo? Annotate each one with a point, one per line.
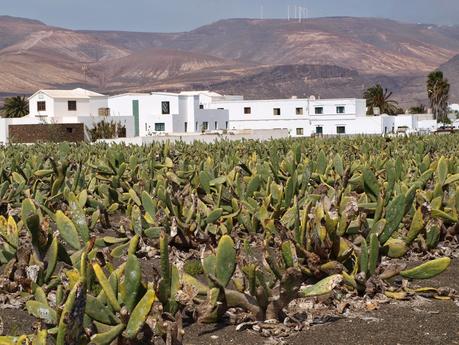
(196, 112)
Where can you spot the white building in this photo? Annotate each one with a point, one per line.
(194, 112)
(454, 107)
(302, 117)
(67, 103)
(66, 106)
(205, 111)
(163, 112)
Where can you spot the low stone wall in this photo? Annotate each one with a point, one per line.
(72, 132)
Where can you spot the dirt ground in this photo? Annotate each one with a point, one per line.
(424, 322)
(421, 322)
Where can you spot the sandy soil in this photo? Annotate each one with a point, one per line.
(422, 322)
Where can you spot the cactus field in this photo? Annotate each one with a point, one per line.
(130, 245)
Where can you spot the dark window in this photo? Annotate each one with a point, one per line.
(201, 106)
(104, 111)
(165, 108)
(160, 127)
(340, 129)
(41, 106)
(69, 129)
(226, 124)
(216, 125)
(72, 105)
(196, 126)
(299, 111)
(205, 126)
(276, 111)
(340, 110)
(319, 110)
(186, 127)
(319, 130)
(247, 110)
(299, 131)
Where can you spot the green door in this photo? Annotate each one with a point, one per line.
(135, 112)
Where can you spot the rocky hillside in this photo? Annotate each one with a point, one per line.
(330, 57)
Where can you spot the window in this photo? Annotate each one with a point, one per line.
(71, 105)
(340, 110)
(247, 110)
(276, 111)
(41, 106)
(205, 126)
(165, 108)
(69, 129)
(104, 111)
(216, 125)
(196, 126)
(319, 110)
(319, 130)
(340, 129)
(201, 106)
(226, 124)
(299, 111)
(186, 127)
(299, 131)
(160, 127)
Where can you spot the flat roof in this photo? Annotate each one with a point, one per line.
(290, 99)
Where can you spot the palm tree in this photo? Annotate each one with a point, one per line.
(17, 106)
(419, 109)
(438, 92)
(378, 97)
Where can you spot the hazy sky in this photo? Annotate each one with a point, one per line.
(178, 15)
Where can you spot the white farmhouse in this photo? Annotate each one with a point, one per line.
(163, 112)
(66, 107)
(74, 106)
(301, 117)
(204, 111)
(67, 103)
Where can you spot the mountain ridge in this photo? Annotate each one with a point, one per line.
(271, 57)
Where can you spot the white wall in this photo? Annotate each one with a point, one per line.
(212, 117)
(409, 121)
(39, 97)
(95, 103)
(150, 113)
(121, 105)
(61, 107)
(3, 131)
(261, 135)
(262, 114)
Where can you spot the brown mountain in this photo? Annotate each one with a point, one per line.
(369, 45)
(330, 57)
